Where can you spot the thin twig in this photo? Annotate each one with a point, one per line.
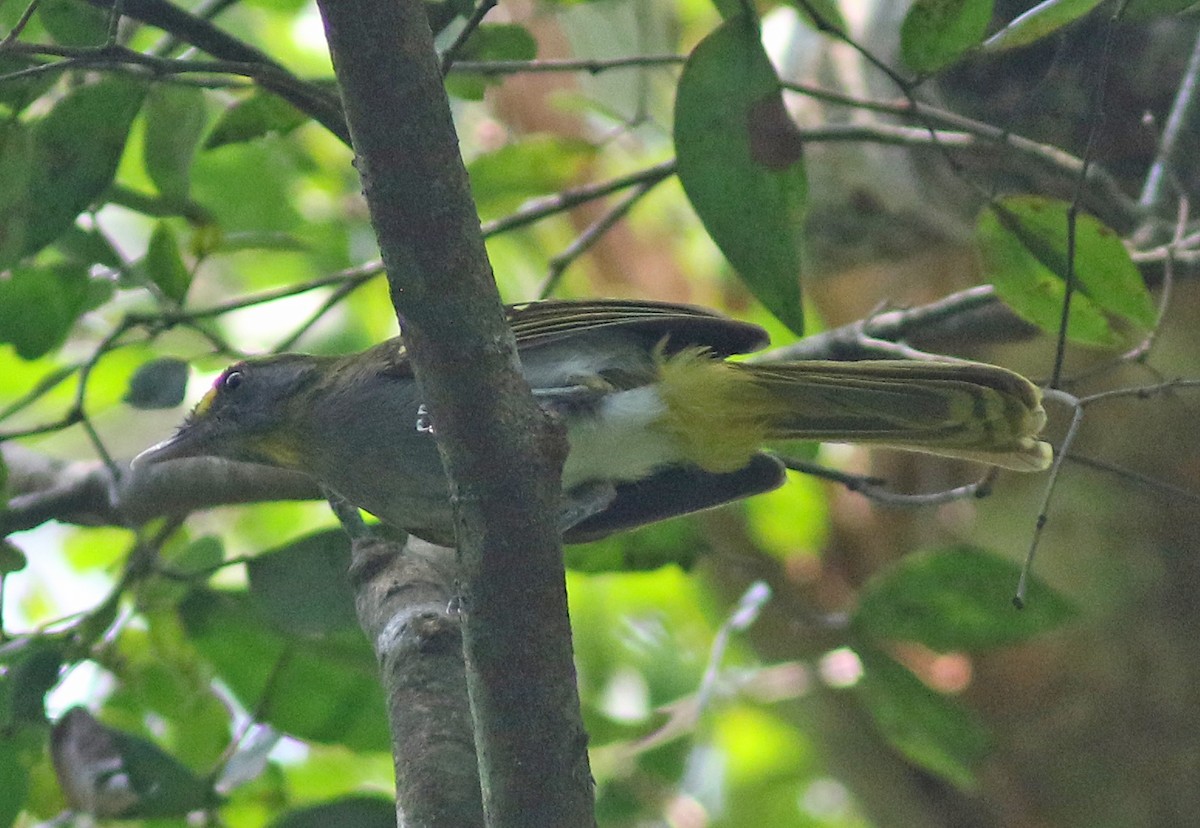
(1051, 485)
(1078, 404)
(1136, 477)
(594, 232)
(1139, 391)
(1177, 119)
(204, 10)
(889, 326)
(1047, 155)
(592, 66)
(340, 292)
(453, 50)
(1097, 117)
(20, 25)
(905, 87)
(537, 209)
(873, 489)
(308, 98)
(352, 276)
(748, 608)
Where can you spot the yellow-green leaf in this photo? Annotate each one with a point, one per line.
(1024, 244)
(1043, 19)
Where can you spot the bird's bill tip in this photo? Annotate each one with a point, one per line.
(173, 448)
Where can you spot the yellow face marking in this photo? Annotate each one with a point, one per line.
(206, 402)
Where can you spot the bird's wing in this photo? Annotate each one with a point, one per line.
(540, 323)
(537, 323)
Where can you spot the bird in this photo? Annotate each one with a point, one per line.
(659, 420)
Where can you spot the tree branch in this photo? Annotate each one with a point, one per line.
(501, 453)
(207, 37)
(405, 602)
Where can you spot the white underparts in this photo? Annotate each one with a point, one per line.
(619, 441)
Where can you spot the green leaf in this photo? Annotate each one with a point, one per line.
(441, 13)
(490, 42)
(325, 691)
(959, 598)
(201, 556)
(16, 159)
(350, 812)
(253, 117)
(12, 559)
(740, 163)
(72, 23)
(303, 587)
(33, 314)
(69, 173)
(1148, 9)
(39, 304)
(164, 264)
(539, 164)
(936, 33)
(1023, 240)
(671, 542)
(175, 120)
(828, 12)
(1043, 19)
(499, 41)
(89, 247)
(930, 729)
(18, 93)
(158, 671)
(14, 782)
(31, 671)
(264, 240)
(1104, 270)
(159, 383)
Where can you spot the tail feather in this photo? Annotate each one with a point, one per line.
(965, 410)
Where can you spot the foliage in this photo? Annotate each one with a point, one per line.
(161, 216)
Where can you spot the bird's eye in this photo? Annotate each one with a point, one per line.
(231, 381)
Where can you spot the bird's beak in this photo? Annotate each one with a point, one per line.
(187, 442)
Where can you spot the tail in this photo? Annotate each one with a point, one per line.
(954, 409)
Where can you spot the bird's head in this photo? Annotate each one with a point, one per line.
(255, 412)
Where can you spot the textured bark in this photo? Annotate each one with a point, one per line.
(406, 606)
(502, 455)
